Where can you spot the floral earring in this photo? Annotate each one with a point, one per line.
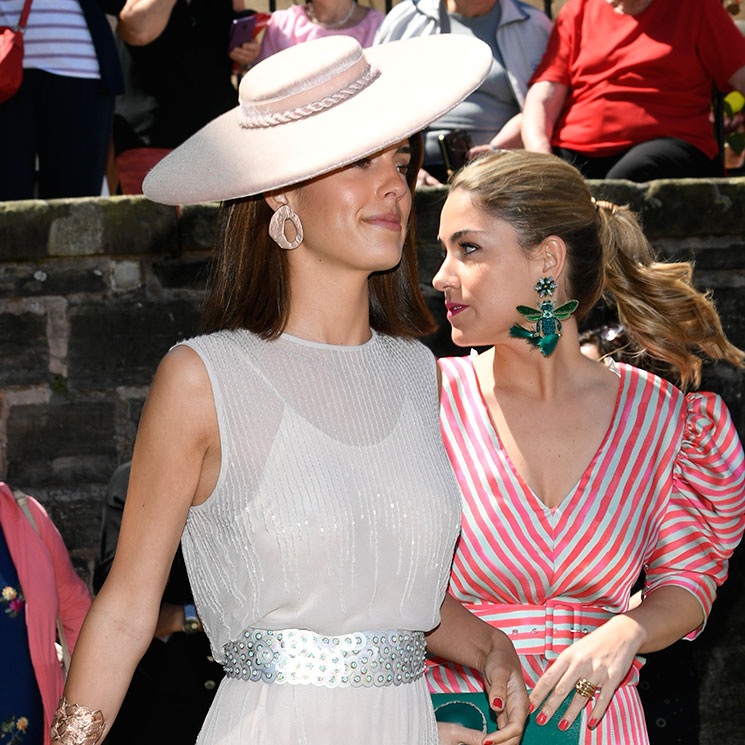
(547, 318)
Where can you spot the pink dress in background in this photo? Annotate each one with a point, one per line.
(664, 494)
(292, 26)
(50, 586)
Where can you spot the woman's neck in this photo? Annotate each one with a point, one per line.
(329, 312)
(514, 365)
(331, 16)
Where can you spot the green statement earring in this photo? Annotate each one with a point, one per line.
(547, 318)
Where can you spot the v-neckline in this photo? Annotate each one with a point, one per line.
(526, 488)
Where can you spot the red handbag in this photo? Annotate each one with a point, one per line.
(11, 55)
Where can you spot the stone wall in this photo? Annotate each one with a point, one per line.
(93, 292)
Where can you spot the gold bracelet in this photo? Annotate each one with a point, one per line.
(76, 725)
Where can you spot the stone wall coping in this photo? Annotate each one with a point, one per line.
(133, 225)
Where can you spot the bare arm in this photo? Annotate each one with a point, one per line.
(143, 21)
(605, 655)
(175, 454)
(737, 81)
(467, 640)
(543, 104)
(508, 138)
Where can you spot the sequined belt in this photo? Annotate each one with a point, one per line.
(301, 657)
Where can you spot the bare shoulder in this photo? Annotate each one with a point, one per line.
(182, 366)
(180, 397)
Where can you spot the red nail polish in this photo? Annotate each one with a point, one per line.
(563, 725)
(497, 703)
(532, 708)
(592, 723)
(541, 718)
(488, 742)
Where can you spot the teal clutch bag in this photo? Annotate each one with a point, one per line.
(472, 710)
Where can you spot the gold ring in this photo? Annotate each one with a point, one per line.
(585, 688)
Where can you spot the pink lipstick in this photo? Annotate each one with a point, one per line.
(454, 308)
(390, 221)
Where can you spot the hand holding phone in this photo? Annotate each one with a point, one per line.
(246, 27)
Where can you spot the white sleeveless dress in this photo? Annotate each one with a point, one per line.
(336, 511)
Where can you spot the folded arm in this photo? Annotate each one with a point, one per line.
(143, 21)
(543, 104)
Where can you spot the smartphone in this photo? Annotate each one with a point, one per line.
(246, 27)
(242, 30)
(454, 147)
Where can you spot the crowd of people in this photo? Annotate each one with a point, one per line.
(328, 535)
(619, 88)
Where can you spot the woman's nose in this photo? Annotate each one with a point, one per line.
(393, 181)
(444, 278)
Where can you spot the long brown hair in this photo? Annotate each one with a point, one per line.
(607, 256)
(250, 288)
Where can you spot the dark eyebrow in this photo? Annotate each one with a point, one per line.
(460, 233)
(404, 150)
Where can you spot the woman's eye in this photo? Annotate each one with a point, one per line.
(403, 168)
(469, 248)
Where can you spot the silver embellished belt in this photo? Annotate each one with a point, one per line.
(358, 660)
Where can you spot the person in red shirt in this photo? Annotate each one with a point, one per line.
(624, 88)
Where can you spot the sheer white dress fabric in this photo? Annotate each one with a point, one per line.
(336, 511)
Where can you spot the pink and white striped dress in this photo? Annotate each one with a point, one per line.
(664, 494)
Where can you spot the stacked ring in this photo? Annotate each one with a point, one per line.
(585, 688)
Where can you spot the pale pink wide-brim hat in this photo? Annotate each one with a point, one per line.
(315, 107)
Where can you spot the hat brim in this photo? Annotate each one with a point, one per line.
(420, 80)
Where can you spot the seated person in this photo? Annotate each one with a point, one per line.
(171, 51)
(517, 34)
(624, 89)
(314, 20)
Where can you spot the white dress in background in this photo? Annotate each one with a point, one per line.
(336, 511)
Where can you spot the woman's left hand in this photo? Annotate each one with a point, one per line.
(508, 697)
(603, 658)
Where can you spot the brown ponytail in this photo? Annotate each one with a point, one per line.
(607, 255)
(657, 303)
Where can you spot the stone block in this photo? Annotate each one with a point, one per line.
(86, 227)
(126, 276)
(24, 349)
(429, 260)
(24, 227)
(61, 442)
(54, 277)
(196, 226)
(428, 203)
(121, 342)
(181, 273)
(729, 303)
(674, 208)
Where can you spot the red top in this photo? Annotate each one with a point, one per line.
(636, 78)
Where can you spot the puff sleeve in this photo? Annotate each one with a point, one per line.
(705, 518)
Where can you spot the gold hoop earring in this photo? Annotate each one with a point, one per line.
(277, 227)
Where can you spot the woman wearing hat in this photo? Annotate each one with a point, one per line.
(297, 444)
